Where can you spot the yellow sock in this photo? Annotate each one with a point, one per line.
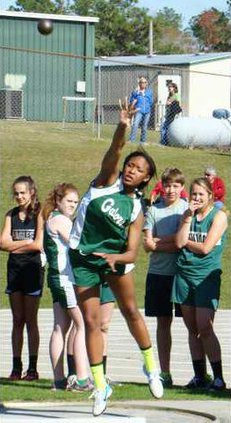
(149, 360)
(98, 376)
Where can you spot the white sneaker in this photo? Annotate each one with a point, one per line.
(71, 381)
(100, 400)
(155, 384)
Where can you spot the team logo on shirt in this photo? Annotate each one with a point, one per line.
(107, 208)
(21, 234)
(197, 236)
(200, 237)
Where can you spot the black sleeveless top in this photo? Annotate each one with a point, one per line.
(21, 230)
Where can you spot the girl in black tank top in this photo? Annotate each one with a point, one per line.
(22, 237)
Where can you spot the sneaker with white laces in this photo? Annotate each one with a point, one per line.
(100, 400)
(71, 381)
(155, 383)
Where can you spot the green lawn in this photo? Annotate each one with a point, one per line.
(41, 391)
(51, 155)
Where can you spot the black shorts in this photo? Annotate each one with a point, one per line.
(25, 274)
(158, 296)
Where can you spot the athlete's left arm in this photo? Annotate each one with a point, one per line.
(216, 231)
(37, 244)
(133, 243)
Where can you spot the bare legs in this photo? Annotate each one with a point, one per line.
(90, 306)
(79, 347)
(76, 341)
(164, 342)
(123, 288)
(106, 311)
(25, 312)
(57, 341)
(202, 338)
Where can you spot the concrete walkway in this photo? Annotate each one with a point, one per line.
(119, 412)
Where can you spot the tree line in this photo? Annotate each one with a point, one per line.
(123, 27)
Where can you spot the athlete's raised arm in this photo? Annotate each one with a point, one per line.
(110, 164)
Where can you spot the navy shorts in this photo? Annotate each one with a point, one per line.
(158, 296)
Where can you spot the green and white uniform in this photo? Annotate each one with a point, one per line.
(198, 276)
(102, 222)
(59, 276)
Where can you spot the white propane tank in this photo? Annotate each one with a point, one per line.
(199, 132)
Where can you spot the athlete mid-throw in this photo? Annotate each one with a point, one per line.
(104, 244)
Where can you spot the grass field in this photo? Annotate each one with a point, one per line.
(51, 155)
(41, 391)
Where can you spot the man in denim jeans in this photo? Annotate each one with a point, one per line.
(142, 99)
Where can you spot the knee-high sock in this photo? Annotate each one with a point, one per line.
(98, 375)
(149, 360)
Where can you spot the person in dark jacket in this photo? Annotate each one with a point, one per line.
(172, 109)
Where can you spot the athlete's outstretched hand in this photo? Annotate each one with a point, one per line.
(127, 111)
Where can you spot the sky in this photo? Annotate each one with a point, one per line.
(186, 8)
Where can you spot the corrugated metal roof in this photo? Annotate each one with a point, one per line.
(29, 15)
(162, 59)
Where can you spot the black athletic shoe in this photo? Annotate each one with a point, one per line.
(31, 375)
(15, 375)
(217, 385)
(166, 379)
(59, 385)
(196, 383)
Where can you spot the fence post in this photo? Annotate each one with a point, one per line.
(99, 101)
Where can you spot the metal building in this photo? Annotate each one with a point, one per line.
(36, 71)
(203, 82)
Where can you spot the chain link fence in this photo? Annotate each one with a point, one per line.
(83, 93)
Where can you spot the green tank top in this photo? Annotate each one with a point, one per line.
(196, 267)
(103, 219)
(56, 249)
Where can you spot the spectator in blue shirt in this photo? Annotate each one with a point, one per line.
(142, 99)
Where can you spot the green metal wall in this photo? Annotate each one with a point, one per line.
(49, 76)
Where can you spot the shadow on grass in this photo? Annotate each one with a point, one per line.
(41, 383)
